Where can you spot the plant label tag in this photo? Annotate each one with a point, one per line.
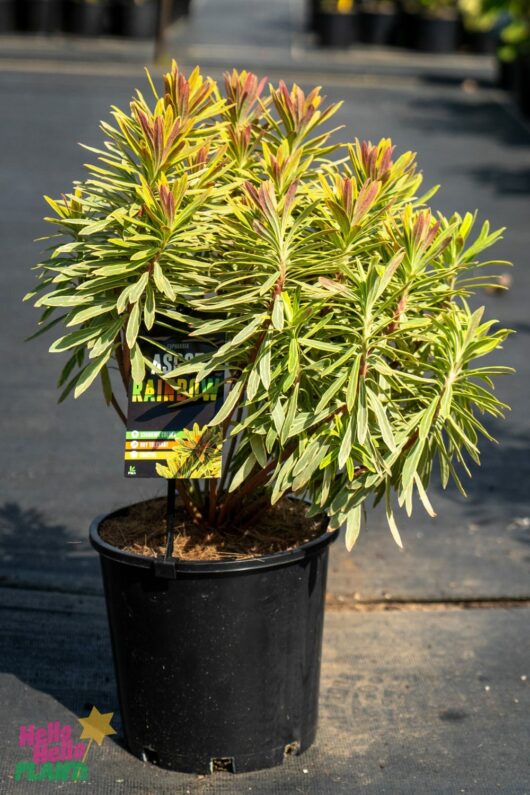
(167, 425)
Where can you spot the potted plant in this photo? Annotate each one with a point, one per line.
(479, 26)
(334, 305)
(39, 16)
(508, 54)
(134, 18)
(336, 23)
(85, 17)
(514, 53)
(378, 22)
(437, 27)
(522, 78)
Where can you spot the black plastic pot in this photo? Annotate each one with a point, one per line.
(313, 12)
(84, 18)
(135, 19)
(7, 16)
(218, 663)
(407, 28)
(38, 16)
(180, 8)
(506, 71)
(483, 42)
(522, 83)
(377, 27)
(436, 35)
(336, 30)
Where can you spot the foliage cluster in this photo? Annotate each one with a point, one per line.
(515, 33)
(351, 352)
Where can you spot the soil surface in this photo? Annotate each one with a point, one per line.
(142, 529)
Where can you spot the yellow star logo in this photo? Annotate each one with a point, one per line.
(96, 726)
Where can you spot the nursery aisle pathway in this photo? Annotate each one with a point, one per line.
(430, 698)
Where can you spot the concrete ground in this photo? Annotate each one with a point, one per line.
(430, 696)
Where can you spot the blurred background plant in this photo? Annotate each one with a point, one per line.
(515, 33)
(514, 47)
(92, 18)
(485, 27)
(479, 15)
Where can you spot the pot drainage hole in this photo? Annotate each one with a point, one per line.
(149, 755)
(223, 764)
(292, 749)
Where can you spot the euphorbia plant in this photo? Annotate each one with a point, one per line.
(350, 351)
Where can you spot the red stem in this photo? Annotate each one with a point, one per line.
(212, 507)
(189, 505)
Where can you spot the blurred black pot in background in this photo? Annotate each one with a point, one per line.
(38, 16)
(84, 17)
(335, 29)
(506, 71)
(7, 16)
(522, 83)
(406, 26)
(134, 18)
(437, 34)
(378, 23)
(180, 8)
(483, 42)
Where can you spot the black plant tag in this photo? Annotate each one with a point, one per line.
(167, 434)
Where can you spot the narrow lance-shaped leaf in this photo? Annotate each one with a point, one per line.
(90, 372)
(137, 364)
(346, 444)
(229, 405)
(390, 519)
(424, 497)
(133, 326)
(243, 472)
(264, 363)
(278, 314)
(353, 526)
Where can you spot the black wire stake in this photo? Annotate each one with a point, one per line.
(170, 518)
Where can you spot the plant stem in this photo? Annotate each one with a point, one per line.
(121, 365)
(127, 363)
(189, 505)
(196, 495)
(230, 454)
(212, 502)
(258, 507)
(116, 406)
(250, 485)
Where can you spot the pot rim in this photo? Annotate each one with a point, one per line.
(171, 568)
